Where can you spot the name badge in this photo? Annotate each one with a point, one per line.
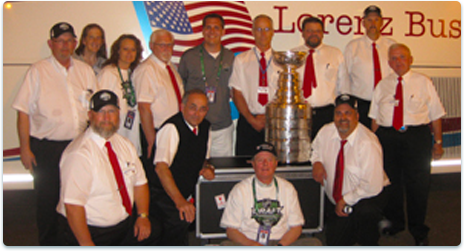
(263, 90)
(263, 235)
(210, 92)
(130, 117)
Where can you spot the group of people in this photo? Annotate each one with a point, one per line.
(116, 145)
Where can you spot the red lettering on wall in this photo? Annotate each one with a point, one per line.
(299, 21)
(442, 33)
(358, 26)
(280, 29)
(341, 22)
(419, 24)
(454, 28)
(386, 22)
(325, 22)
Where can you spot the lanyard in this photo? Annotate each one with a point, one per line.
(203, 74)
(254, 192)
(263, 71)
(128, 88)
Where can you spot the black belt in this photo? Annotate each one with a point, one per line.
(403, 129)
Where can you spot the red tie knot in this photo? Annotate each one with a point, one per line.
(343, 142)
(399, 79)
(373, 45)
(262, 55)
(311, 51)
(108, 144)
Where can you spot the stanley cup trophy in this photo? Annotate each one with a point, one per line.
(288, 116)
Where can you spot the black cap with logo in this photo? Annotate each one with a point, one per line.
(102, 98)
(372, 9)
(265, 147)
(347, 99)
(61, 28)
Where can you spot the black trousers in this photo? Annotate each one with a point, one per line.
(47, 186)
(147, 162)
(247, 138)
(122, 234)
(320, 117)
(174, 230)
(407, 157)
(361, 226)
(363, 109)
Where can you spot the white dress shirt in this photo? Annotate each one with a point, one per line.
(56, 99)
(167, 143)
(88, 178)
(245, 77)
(109, 79)
(331, 75)
(421, 103)
(360, 64)
(364, 176)
(153, 85)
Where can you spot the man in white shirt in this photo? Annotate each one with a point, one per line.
(323, 75)
(52, 104)
(403, 106)
(347, 161)
(182, 147)
(159, 91)
(264, 210)
(102, 177)
(360, 58)
(254, 83)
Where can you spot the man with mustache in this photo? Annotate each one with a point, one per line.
(366, 60)
(159, 91)
(182, 147)
(323, 75)
(101, 179)
(347, 161)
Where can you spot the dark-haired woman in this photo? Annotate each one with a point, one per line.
(92, 47)
(116, 75)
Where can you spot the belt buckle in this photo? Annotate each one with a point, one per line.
(403, 129)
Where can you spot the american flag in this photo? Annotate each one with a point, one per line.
(184, 20)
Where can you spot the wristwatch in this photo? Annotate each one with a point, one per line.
(438, 141)
(142, 215)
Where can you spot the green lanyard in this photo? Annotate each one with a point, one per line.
(203, 74)
(128, 88)
(254, 192)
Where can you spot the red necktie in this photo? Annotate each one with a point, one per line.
(195, 130)
(119, 178)
(309, 76)
(174, 84)
(262, 97)
(398, 110)
(377, 70)
(340, 167)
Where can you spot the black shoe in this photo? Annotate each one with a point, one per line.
(422, 241)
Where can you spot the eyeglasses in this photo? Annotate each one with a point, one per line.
(263, 29)
(164, 45)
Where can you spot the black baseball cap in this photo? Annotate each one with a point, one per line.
(347, 99)
(265, 147)
(103, 98)
(372, 9)
(61, 28)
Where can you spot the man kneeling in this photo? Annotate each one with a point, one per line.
(263, 210)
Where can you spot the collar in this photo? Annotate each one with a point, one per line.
(267, 54)
(405, 76)
(190, 126)
(59, 66)
(316, 50)
(159, 62)
(370, 41)
(202, 45)
(351, 138)
(99, 140)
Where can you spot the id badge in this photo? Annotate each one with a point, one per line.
(263, 90)
(210, 92)
(130, 117)
(263, 235)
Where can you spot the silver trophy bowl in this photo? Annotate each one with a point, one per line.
(289, 59)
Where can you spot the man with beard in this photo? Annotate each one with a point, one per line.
(324, 74)
(366, 60)
(101, 179)
(275, 218)
(347, 161)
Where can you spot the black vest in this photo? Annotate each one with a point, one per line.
(190, 156)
